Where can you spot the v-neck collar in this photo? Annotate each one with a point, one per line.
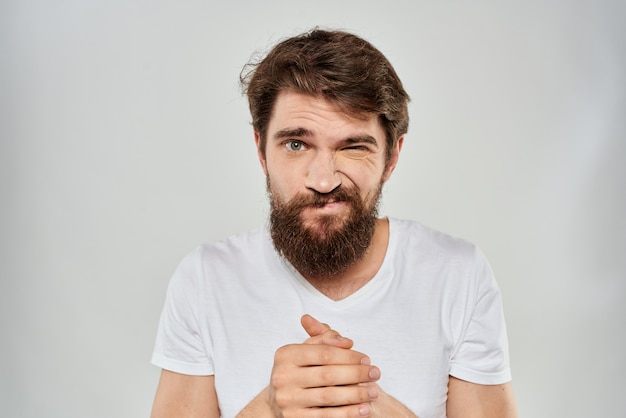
(382, 276)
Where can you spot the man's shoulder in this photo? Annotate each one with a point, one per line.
(409, 228)
(238, 252)
(418, 237)
(447, 260)
(235, 244)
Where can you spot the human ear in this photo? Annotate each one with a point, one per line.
(393, 158)
(260, 152)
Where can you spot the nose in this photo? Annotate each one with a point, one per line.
(322, 175)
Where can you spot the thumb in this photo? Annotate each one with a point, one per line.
(322, 333)
(312, 326)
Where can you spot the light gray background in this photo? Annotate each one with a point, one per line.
(125, 142)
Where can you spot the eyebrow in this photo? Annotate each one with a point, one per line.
(291, 133)
(303, 132)
(368, 139)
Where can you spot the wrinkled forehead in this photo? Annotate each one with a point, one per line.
(305, 113)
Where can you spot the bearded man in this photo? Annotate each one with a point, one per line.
(244, 328)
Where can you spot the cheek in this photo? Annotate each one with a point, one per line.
(282, 185)
(365, 175)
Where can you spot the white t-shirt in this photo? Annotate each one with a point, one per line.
(432, 310)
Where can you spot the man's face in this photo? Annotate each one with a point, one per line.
(325, 172)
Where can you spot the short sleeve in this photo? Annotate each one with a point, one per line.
(482, 354)
(181, 346)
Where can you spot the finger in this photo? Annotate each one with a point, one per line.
(335, 375)
(303, 355)
(322, 333)
(312, 326)
(349, 411)
(336, 396)
(331, 337)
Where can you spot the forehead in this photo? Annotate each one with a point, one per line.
(321, 116)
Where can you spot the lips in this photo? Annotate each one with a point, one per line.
(326, 202)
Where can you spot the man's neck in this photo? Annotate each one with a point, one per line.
(342, 285)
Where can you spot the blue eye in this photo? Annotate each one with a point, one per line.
(295, 145)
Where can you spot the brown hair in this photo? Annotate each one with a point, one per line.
(336, 65)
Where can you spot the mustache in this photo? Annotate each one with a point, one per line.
(317, 200)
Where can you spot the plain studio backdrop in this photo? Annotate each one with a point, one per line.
(125, 142)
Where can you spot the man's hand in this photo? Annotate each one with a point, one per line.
(323, 377)
(382, 405)
(321, 373)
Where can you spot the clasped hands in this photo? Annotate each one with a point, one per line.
(323, 372)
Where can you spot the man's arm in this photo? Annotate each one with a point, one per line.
(184, 396)
(471, 400)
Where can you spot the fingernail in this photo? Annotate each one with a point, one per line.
(374, 373)
(364, 411)
(373, 393)
(365, 361)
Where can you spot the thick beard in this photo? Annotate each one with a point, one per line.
(333, 243)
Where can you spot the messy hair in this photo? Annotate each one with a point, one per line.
(334, 65)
